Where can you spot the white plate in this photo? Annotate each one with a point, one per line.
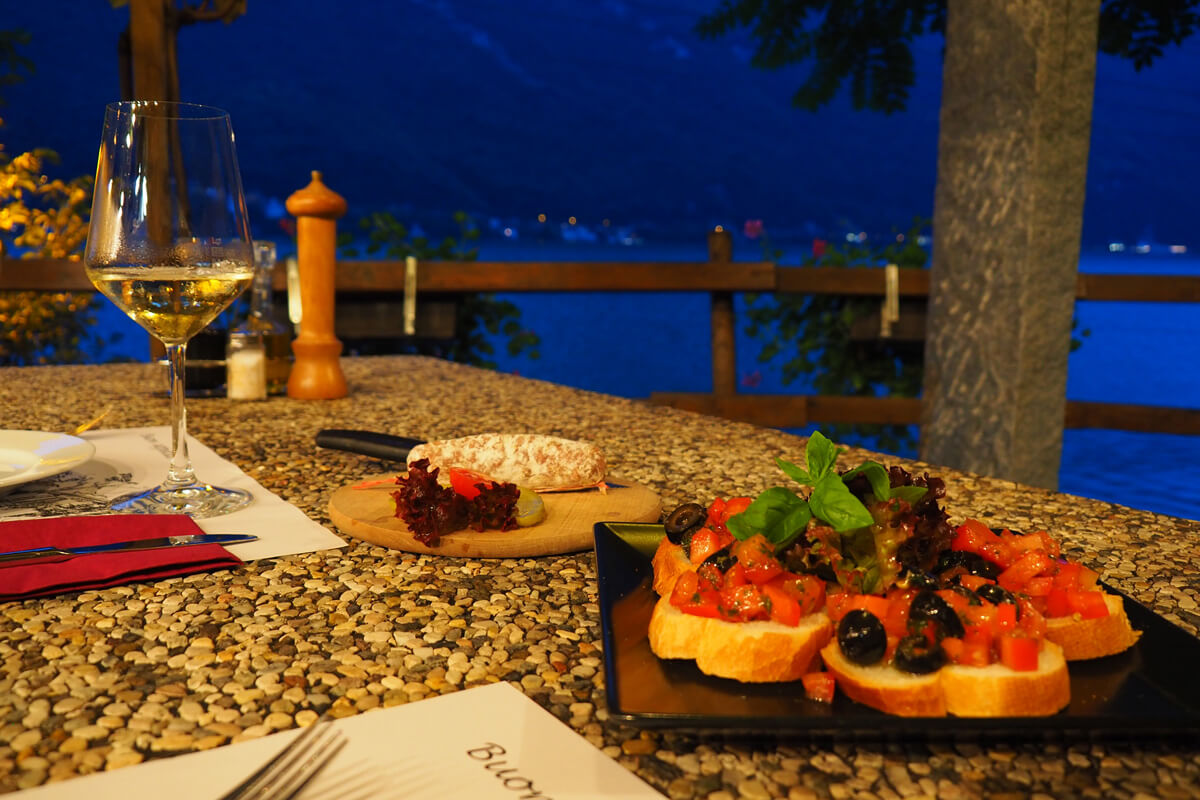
(31, 455)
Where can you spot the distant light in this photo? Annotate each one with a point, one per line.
(541, 217)
(508, 232)
(1178, 248)
(850, 237)
(718, 229)
(605, 223)
(922, 240)
(1116, 247)
(1143, 248)
(862, 236)
(571, 220)
(899, 237)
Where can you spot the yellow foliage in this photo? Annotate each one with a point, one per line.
(42, 217)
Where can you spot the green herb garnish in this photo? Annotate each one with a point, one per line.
(782, 515)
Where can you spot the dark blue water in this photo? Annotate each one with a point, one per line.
(631, 344)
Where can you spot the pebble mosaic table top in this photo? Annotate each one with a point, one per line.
(106, 679)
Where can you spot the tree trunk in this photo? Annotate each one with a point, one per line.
(1008, 213)
(149, 49)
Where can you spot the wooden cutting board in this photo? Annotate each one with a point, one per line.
(368, 513)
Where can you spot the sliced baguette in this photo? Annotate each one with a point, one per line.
(991, 691)
(669, 563)
(751, 652)
(1082, 639)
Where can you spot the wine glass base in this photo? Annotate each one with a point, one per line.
(198, 501)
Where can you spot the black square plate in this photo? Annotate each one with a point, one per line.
(1150, 689)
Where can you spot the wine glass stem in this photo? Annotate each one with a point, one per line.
(180, 472)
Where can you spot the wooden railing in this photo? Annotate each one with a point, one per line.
(721, 278)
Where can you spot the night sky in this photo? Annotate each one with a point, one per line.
(611, 110)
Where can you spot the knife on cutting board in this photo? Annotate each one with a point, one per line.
(368, 443)
(155, 543)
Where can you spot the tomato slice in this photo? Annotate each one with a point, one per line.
(704, 544)
(757, 555)
(1088, 604)
(1057, 604)
(975, 537)
(819, 686)
(785, 608)
(735, 576)
(745, 602)
(1030, 565)
(686, 587)
(468, 483)
(808, 590)
(1019, 652)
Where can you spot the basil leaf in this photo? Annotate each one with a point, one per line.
(821, 455)
(794, 472)
(778, 513)
(909, 494)
(832, 502)
(881, 484)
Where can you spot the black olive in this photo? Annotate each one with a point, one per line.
(721, 559)
(996, 594)
(971, 562)
(922, 580)
(958, 588)
(687, 517)
(927, 606)
(916, 654)
(862, 637)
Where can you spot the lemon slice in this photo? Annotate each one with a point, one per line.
(530, 508)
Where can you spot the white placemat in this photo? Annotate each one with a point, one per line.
(485, 743)
(130, 460)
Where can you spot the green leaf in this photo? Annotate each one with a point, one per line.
(821, 454)
(832, 502)
(777, 513)
(794, 472)
(909, 494)
(881, 484)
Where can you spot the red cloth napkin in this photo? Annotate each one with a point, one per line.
(45, 578)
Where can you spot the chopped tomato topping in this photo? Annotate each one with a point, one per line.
(757, 555)
(745, 602)
(1019, 652)
(896, 620)
(785, 608)
(839, 603)
(1088, 604)
(704, 544)
(819, 686)
(1030, 565)
(975, 537)
(1039, 587)
(808, 590)
(976, 646)
(735, 576)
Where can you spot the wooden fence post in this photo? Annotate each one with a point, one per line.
(724, 357)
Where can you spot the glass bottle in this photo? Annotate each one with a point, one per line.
(262, 324)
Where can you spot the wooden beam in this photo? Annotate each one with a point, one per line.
(44, 275)
(849, 281)
(1139, 288)
(1127, 417)
(797, 411)
(558, 276)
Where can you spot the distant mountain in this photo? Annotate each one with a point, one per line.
(601, 110)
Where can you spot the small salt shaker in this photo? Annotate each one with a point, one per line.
(246, 367)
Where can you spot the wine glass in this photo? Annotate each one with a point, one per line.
(170, 245)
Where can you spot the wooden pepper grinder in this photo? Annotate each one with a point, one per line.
(316, 373)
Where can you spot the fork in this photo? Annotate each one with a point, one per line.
(293, 767)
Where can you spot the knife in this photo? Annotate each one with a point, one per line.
(156, 543)
(367, 443)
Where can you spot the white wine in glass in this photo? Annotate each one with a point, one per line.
(170, 245)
